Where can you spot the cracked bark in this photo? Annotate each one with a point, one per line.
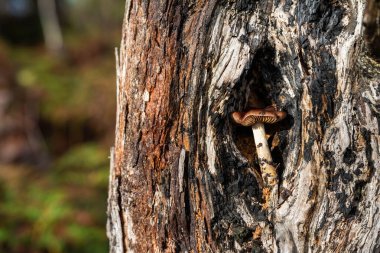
(183, 176)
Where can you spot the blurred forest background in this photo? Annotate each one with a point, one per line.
(57, 119)
(57, 116)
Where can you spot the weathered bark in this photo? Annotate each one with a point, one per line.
(184, 177)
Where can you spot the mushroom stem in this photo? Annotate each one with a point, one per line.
(262, 147)
(268, 171)
(255, 118)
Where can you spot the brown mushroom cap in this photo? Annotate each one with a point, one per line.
(268, 115)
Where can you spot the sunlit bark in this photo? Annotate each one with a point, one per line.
(184, 177)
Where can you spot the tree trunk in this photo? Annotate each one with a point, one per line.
(50, 26)
(185, 178)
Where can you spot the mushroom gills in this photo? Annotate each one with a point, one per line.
(254, 119)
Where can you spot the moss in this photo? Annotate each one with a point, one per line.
(60, 211)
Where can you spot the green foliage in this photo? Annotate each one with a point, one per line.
(62, 207)
(60, 211)
(66, 93)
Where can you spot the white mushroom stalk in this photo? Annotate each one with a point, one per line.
(256, 119)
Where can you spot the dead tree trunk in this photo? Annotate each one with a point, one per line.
(184, 177)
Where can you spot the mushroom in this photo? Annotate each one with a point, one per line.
(256, 119)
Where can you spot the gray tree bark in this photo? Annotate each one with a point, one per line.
(184, 177)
